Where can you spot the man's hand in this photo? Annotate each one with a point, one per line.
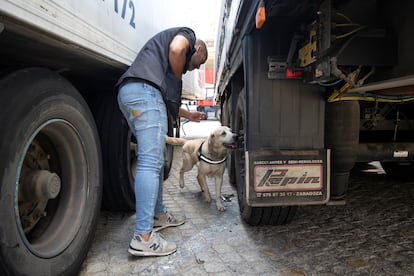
(195, 116)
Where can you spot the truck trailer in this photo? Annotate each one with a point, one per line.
(314, 88)
(66, 151)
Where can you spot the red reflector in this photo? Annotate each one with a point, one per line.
(293, 74)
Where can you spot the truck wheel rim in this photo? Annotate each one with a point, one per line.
(51, 188)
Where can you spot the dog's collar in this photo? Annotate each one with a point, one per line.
(204, 158)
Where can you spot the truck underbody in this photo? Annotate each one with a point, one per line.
(321, 82)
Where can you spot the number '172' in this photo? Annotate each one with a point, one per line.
(124, 7)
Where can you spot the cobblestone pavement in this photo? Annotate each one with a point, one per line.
(373, 234)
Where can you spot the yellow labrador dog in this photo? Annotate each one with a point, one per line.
(210, 156)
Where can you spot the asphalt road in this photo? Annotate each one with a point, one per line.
(373, 234)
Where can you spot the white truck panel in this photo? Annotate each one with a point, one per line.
(231, 21)
(81, 23)
(226, 30)
(116, 29)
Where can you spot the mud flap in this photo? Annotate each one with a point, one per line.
(288, 177)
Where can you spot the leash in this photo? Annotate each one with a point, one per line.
(204, 158)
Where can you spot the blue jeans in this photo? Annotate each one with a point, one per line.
(145, 111)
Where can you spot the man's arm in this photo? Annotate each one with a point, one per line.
(195, 116)
(177, 56)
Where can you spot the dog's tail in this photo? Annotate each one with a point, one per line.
(175, 141)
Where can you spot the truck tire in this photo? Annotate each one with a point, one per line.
(119, 150)
(276, 215)
(50, 175)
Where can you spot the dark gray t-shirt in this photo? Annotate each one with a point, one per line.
(152, 63)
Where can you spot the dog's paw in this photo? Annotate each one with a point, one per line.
(181, 182)
(221, 208)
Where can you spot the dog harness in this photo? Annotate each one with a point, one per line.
(204, 158)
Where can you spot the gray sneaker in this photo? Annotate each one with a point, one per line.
(155, 246)
(168, 221)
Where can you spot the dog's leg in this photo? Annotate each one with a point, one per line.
(218, 180)
(204, 188)
(186, 166)
(181, 181)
